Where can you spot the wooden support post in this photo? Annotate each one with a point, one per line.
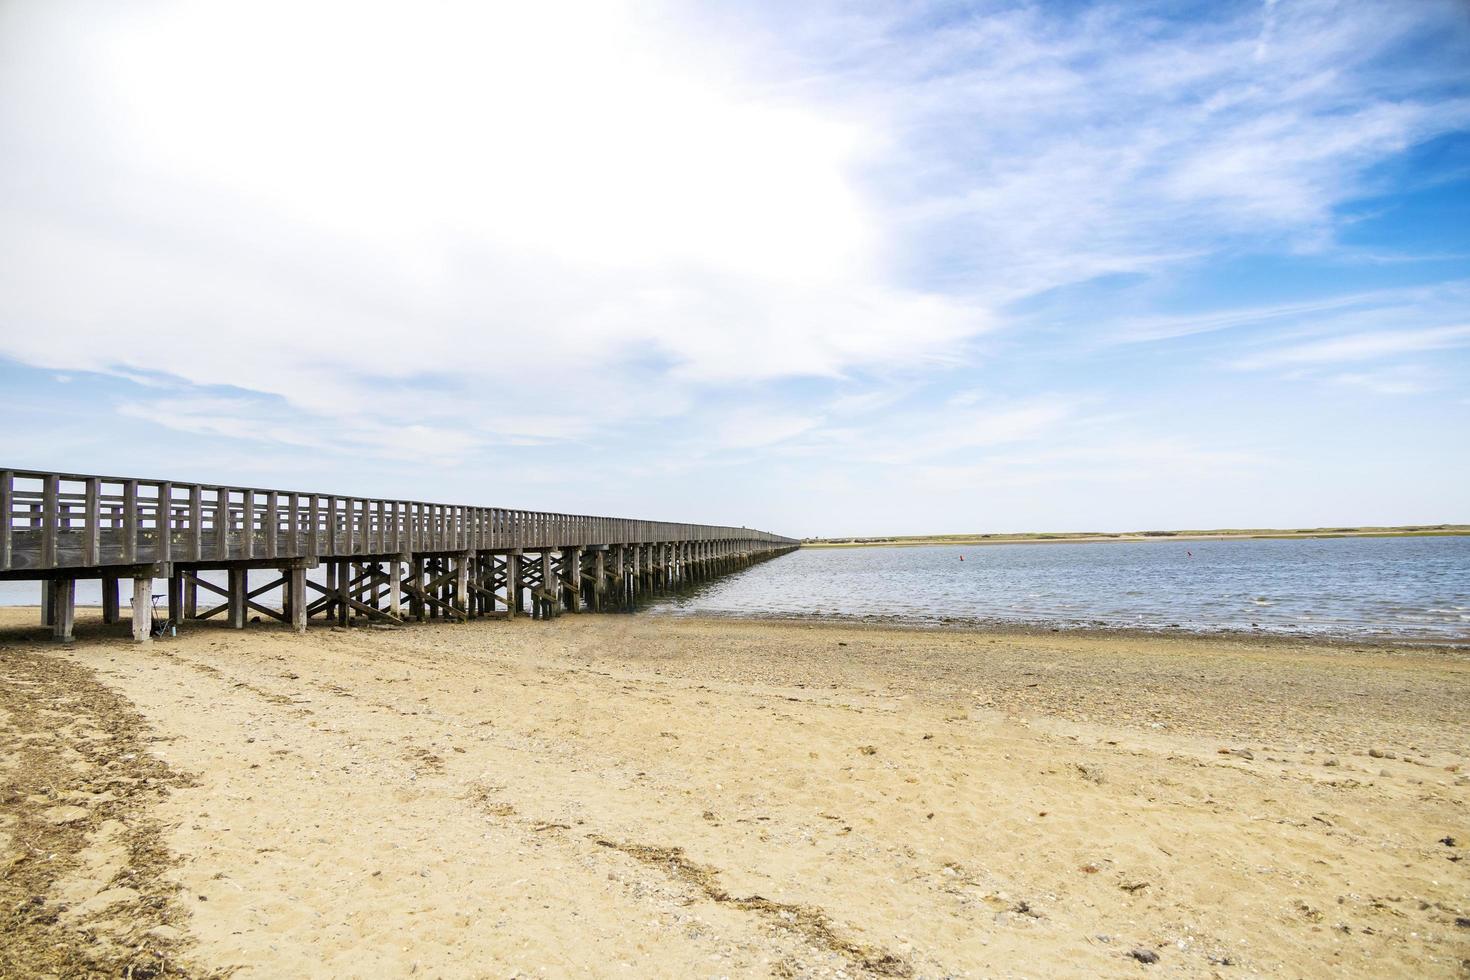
(445, 570)
(176, 598)
(191, 598)
(238, 585)
(416, 602)
(512, 585)
(344, 582)
(331, 589)
(475, 599)
(63, 593)
(296, 597)
(599, 582)
(109, 599)
(143, 609)
(395, 589)
(47, 616)
(462, 583)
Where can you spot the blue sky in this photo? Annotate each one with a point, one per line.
(845, 269)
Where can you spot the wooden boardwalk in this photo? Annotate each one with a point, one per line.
(383, 560)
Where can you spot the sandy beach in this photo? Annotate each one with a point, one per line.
(644, 796)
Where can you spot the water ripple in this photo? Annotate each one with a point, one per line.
(1410, 588)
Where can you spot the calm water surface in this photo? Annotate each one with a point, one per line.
(1413, 588)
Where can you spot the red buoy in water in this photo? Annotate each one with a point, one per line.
(962, 557)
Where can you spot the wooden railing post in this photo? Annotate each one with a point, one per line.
(130, 522)
(272, 524)
(48, 521)
(349, 520)
(222, 523)
(164, 523)
(7, 515)
(92, 523)
(293, 523)
(196, 521)
(313, 542)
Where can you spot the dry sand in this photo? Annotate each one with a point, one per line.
(638, 796)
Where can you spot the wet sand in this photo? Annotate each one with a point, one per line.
(642, 796)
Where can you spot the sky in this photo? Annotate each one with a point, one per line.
(823, 269)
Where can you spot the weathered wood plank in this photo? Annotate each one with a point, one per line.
(222, 523)
(164, 520)
(293, 524)
(142, 610)
(196, 522)
(92, 523)
(247, 525)
(7, 515)
(130, 522)
(49, 521)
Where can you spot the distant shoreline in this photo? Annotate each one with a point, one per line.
(1084, 537)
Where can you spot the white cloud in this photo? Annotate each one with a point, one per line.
(1053, 146)
(1404, 380)
(1359, 347)
(1412, 304)
(1149, 462)
(345, 197)
(750, 428)
(903, 437)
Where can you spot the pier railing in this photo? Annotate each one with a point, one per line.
(65, 520)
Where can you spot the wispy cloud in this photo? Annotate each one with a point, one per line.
(1411, 302)
(1074, 146)
(1396, 380)
(1359, 347)
(1149, 463)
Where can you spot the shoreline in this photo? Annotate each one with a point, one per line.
(1311, 534)
(1001, 627)
(989, 627)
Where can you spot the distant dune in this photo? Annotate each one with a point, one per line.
(1045, 537)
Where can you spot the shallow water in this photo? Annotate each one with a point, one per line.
(1406, 588)
(1410, 588)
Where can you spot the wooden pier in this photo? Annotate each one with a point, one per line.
(387, 561)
